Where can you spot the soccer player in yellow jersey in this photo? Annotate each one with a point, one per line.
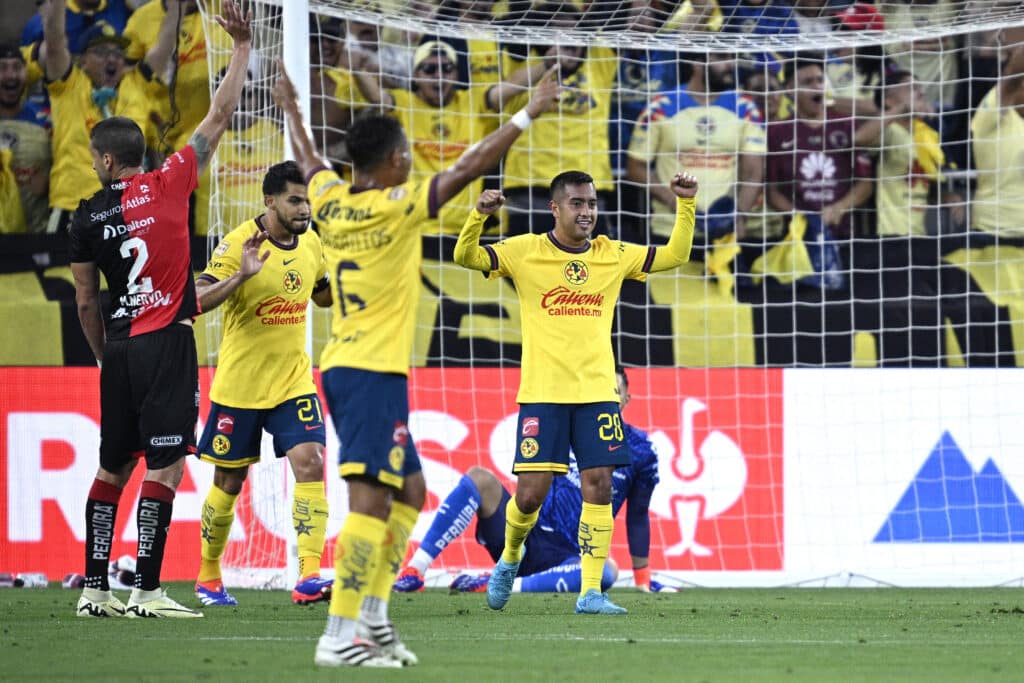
(568, 285)
(371, 236)
(263, 379)
(98, 87)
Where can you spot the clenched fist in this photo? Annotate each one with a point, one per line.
(683, 185)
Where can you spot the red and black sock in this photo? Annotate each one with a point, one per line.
(100, 516)
(154, 518)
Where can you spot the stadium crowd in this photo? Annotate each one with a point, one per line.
(844, 174)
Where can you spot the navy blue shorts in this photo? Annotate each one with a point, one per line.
(371, 414)
(542, 550)
(547, 431)
(232, 436)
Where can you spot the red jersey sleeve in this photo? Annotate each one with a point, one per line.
(181, 172)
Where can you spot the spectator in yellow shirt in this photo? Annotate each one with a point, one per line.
(100, 85)
(24, 150)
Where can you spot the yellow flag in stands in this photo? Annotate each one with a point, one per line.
(788, 260)
(718, 260)
(927, 149)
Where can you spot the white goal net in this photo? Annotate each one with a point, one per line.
(830, 382)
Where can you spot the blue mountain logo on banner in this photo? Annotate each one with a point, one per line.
(948, 502)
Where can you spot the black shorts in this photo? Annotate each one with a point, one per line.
(149, 398)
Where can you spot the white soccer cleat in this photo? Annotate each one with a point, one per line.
(385, 637)
(337, 652)
(97, 603)
(155, 604)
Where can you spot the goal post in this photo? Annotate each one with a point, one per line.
(827, 383)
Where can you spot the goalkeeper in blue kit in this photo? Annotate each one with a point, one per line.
(551, 560)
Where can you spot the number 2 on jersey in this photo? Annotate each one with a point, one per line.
(141, 255)
(351, 298)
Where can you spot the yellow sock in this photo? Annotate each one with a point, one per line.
(595, 536)
(309, 519)
(517, 526)
(216, 518)
(355, 552)
(400, 523)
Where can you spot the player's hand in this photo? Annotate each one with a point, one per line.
(490, 201)
(832, 214)
(284, 92)
(252, 262)
(236, 25)
(683, 185)
(568, 57)
(545, 94)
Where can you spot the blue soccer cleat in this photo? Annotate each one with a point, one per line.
(312, 589)
(409, 581)
(595, 602)
(499, 585)
(214, 594)
(469, 583)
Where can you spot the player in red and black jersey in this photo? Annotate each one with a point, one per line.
(135, 231)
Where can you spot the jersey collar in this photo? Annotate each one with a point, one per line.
(572, 250)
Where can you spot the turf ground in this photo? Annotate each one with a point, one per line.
(787, 635)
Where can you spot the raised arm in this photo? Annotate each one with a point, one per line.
(486, 153)
(677, 251)
(301, 137)
(366, 74)
(468, 252)
(209, 131)
(55, 53)
(159, 56)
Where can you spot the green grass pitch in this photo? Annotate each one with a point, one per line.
(797, 634)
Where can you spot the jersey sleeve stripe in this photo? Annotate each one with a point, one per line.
(321, 285)
(321, 167)
(206, 277)
(494, 257)
(649, 261)
(432, 205)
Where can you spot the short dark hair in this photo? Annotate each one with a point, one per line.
(372, 139)
(121, 138)
(560, 181)
(279, 175)
(802, 61)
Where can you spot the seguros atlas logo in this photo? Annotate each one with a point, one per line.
(576, 272)
(292, 282)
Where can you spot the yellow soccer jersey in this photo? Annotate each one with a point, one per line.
(574, 135)
(263, 360)
(678, 133)
(567, 298)
(193, 85)
(243, 157)
(372, 244)
(998, 134)
(74, 115)
(438, 137)
(902, 185)
(345, 89)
